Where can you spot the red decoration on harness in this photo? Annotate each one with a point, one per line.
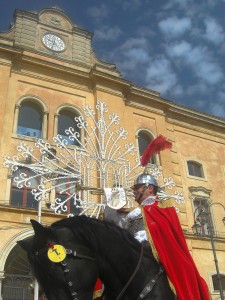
(50, 245)
(158, 144)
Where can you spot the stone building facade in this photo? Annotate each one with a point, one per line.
(48, 70)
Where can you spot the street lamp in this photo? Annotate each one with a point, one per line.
(201, 219)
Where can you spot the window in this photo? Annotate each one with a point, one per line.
(195, 169)
(66, 120)
(22, 197)
(144, 139)
(30, 120)
(202, 216)
(215, 281)
(65, 189)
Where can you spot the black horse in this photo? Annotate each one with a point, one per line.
(94, 249)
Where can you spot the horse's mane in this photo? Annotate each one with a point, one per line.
(91, 230)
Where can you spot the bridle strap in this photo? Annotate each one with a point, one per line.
(68, 279)
(78, 255)
(150, 285)
(66, 270)
(132, 276)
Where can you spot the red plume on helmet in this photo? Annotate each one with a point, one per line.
(155, 146)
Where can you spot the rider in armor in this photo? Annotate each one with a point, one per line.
(144, 189)
(156, 223)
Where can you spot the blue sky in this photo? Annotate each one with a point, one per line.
(175, 47)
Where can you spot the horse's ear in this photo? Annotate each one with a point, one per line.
(42, 234)
(25, 244)
(38, 228)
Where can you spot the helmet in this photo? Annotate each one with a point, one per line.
(145, 179)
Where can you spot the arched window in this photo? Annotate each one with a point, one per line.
(66, 120)
(65, 189)
(22, 197)
(144, 138)
(195, 169)
(30, 120)
(216, 286)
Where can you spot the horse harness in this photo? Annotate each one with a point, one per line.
(66, 270)
(69, 252)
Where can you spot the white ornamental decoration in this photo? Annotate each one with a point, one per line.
(98, 171)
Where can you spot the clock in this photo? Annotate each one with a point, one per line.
(53, 42)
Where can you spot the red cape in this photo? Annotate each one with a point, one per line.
(164, 230)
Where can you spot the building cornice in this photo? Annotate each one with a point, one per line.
(175, 109)
(10, 50)
(145, 108)
(98, 75)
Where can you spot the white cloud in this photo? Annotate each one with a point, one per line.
(178, 3)
(199, 89)
(181, 2)
(218, 110)
(177, 90)
(131, 57)
(145, 31)
(198, 59)
(108, 33)
(134, 51)
(209, 72)
(214, 31)
(138, 54)
(98, 12)
(134, 42)
(174, 27)
(178, 49)
(160, 75)
(131, 5)
(191, 7)
(196, 55)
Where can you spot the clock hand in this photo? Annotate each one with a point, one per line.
(53, 42)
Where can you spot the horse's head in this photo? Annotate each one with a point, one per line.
(65, 269)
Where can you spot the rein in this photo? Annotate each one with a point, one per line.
(132, 276)
(150, 284)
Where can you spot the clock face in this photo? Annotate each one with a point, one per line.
(53, 42)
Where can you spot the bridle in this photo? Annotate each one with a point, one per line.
(71, 286)
(66, 270)
(64, 264)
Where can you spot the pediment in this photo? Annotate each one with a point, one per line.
(56, 18)
(200, 191)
